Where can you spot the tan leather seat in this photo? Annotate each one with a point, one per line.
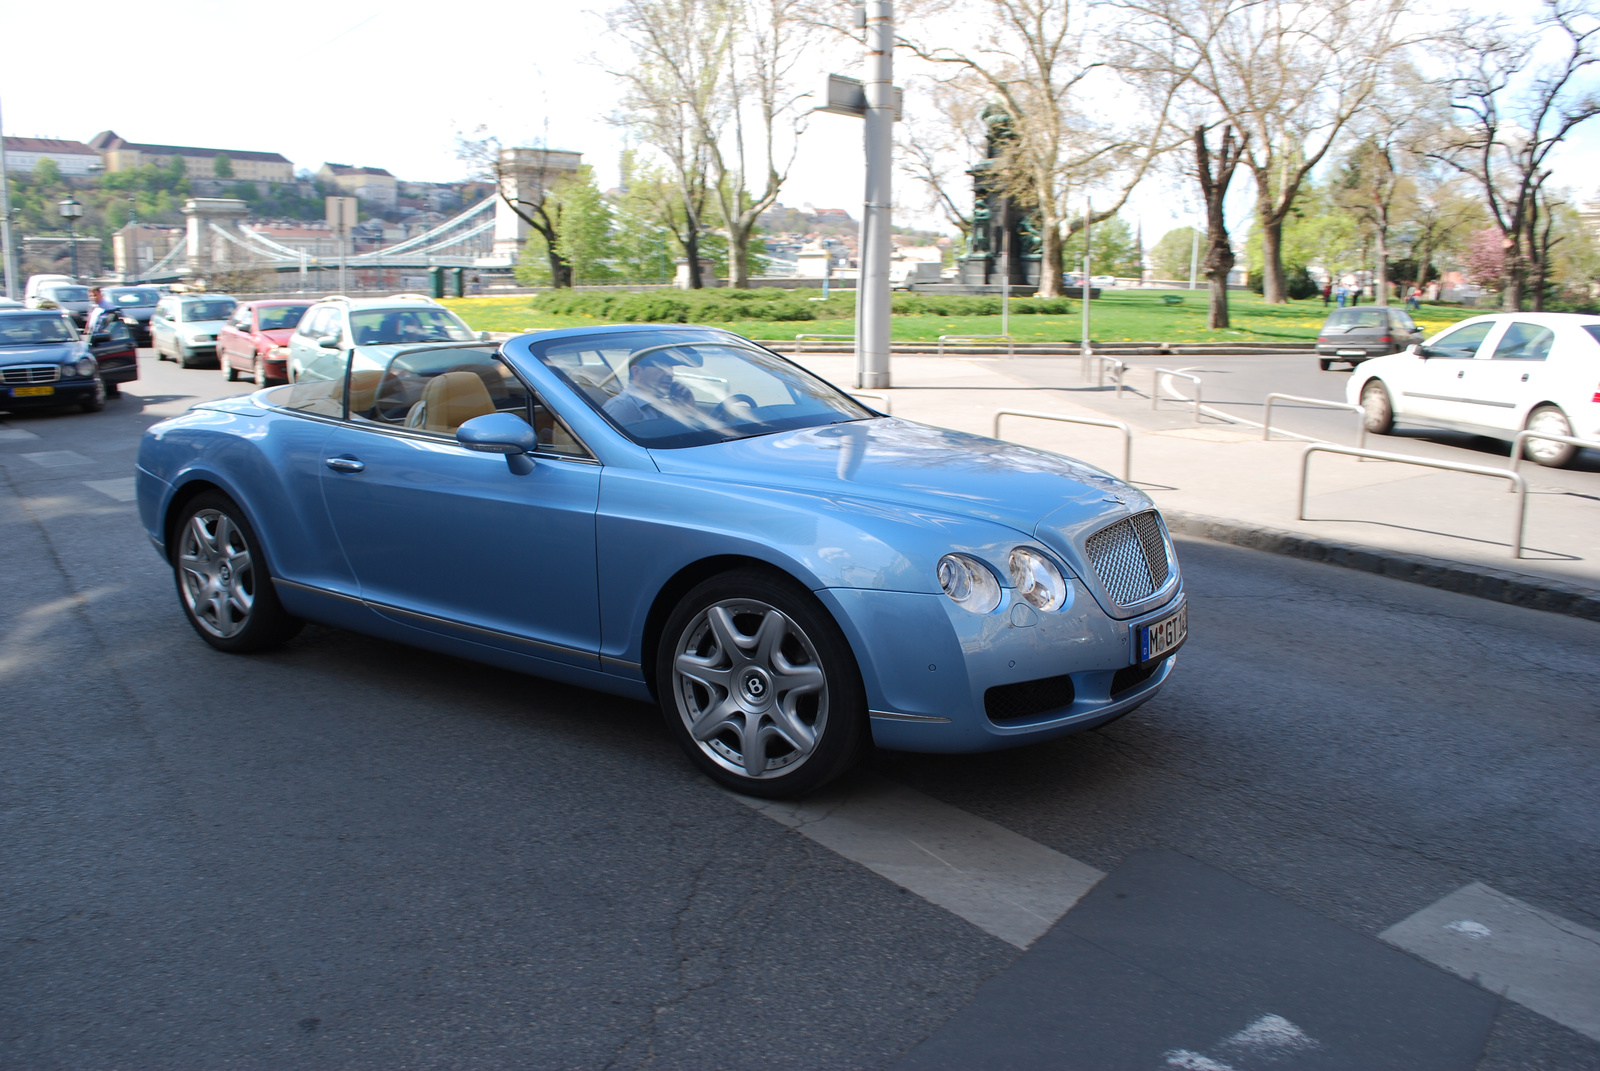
(452, 399)
(364, 389)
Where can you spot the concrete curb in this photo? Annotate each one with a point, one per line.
(1482, 581)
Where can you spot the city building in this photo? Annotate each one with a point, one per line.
(373, 184)
(72, 157)
(118, 154)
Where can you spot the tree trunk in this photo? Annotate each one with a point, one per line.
(560, 269)
(739, 256)
(1381, 276)
(691, 251)
(1273, 290)
(1051, 281)
(1217, 316)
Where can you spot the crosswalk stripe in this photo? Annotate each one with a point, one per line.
(1001, 882)
(121, 489)
(1542, 961)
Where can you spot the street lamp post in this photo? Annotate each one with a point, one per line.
(71, 209)
(8, 257)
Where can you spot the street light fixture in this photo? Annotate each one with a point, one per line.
(70, 210)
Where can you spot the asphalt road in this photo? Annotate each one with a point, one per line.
(1239, 386)
(350, 853)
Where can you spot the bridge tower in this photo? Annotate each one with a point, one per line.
(525, 175)
(206, 251)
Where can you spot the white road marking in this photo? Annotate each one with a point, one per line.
(1001, 882)
(1188, 1060)
(121, 489)
(1269, 1038)
(1540, 960)
(15, 435)
(57, 459)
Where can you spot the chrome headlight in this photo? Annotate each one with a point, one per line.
(278, 353)
(969, 583)
(1037, 579)
(85, 366)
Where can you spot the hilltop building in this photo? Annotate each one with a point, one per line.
(119, 154)
(72, 157)
(373, 184)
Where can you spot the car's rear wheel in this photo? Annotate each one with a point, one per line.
(1379, 410)
(222, 579)
(1549, 419)
(759, 685)
(227, 364)
(1324, 363)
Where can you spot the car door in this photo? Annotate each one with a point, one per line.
(114, 350)
(452, 540)
(1508, 375)
(234, 338)
(1438, 383)
(303, 348)
(161, 329)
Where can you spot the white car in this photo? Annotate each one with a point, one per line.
(371, 327)
(184, 327)
(1493, 375)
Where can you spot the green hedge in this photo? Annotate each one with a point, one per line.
(768, 303)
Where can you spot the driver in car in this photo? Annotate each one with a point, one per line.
(652, 393)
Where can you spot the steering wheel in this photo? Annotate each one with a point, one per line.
(729, 408)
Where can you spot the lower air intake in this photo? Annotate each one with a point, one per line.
(1025, 699)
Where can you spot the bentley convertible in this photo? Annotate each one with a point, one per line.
(677, 515)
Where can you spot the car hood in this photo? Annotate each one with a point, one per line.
(202, 325)
(47, 353)
(140, 313)
(922, 468)
(278, 336)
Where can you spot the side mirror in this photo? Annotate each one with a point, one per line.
(328, 342)
(100, 336)
(501, 433)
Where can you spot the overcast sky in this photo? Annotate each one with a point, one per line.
(390, 85)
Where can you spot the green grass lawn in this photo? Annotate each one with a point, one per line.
(1129, 316)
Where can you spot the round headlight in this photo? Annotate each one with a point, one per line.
(85, 366)
(278, 353)
(969, 583)
(1037, 579)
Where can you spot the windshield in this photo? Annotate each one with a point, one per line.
(277, 317)
(384, 327)
(67, 293)
(1353, 318)
(219, 309)
(671, 389)
(133, 297)
(36, 329)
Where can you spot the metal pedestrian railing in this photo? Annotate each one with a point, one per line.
(1520, 441)
(1127, 432)
(1361, 414)
(1155, 390)
(1011, 342)
(801, 340)
(1519, 485)
(888, 405)
(1118, 370)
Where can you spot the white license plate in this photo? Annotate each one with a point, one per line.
(1163, 637)
(1350, 353)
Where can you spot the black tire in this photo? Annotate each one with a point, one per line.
(201, 566)
(233, 373)
(113, 390)
(96, 402)
(185, 358)
(258, 369)
(830, 721)
(1551, 455)
(1380, 410)
(1324, 363)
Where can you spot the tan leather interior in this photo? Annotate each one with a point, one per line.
(452, 399)
(364, 389)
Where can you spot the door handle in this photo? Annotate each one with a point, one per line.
(1461, 374)
(345, 464)
(1524, 377)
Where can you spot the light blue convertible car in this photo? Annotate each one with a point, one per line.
(677, 515)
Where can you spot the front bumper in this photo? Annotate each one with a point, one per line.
(62, 392)
(927, 665)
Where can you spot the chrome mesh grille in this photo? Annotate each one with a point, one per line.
(1130, 557)
(30, 373)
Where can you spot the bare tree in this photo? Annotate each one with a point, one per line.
(489, 160)
(935, 146)
(1214, 186)
(1050, 70)
(675, 93)
(1290, 74)
(1515, 118)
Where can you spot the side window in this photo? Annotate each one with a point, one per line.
(118, 331)
(554, 437)
(1525, 342)
(241, 319)
(437, 390)
(317, 323)
(1401, 320)
(1463, 342)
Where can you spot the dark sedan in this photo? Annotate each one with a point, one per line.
(44, 361)
(1354, 335)
(134, 304)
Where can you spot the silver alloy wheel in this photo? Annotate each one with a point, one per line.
(1553, 422)
(750, 688)
(216, 572)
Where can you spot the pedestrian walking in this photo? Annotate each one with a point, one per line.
(1414, 300)
(1327, 293)
(1341, 295)
(100, 308)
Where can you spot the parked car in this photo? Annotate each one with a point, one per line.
(1493, 375)
(135, 304)
(1359, 334)
(8, 303)
(675, 514)
(45, 361)
(1103, 280)
(70, 298)
(256, 340)
(372, 327)
(31, 290)
(184, 327)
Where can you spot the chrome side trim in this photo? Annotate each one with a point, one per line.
(278, 581)
(607, 661)
(921, 719)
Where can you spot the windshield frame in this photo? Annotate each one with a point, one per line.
(852, 412)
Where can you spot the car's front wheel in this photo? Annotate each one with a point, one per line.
(258, 371)
(222, 579)
(1379, 410)
(1552, 421)
(759, 685)
(96, 401)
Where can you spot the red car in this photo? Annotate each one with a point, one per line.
(256, 340)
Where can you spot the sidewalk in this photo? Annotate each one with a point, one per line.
(1221, 481)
